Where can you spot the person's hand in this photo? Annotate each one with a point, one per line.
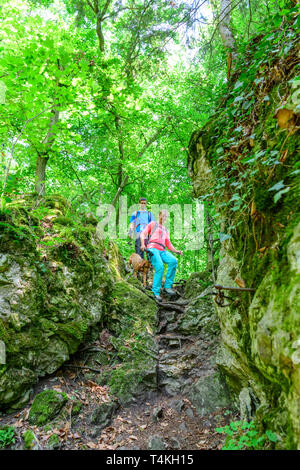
(179, 252)
(143, 247)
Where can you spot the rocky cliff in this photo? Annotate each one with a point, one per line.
(60, 286)
(245, 160)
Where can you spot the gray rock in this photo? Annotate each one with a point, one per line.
(200, 315)
(103, 414)
(174, 443)
(95, 431)
(182, 427)
(156, 442)
(189, 412)
(209, 394)
(157, 413)
(177, 405)
(129, 448)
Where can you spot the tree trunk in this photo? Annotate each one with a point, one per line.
(40, 174)
(120, 166)
(42, 158)
(100, 34)
(226, 34)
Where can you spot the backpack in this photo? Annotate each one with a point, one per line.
(149, 238)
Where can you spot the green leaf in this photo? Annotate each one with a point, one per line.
(224, 236)
(277, 186)
(271, 436)
(280, 193)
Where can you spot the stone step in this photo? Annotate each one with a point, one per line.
(173, 340)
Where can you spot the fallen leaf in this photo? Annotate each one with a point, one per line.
(284, 156)
(71, 375)
(203, 441)
(149, 330)
(263, 249)
(253, 208)
(240, 282)
(19, 424)
(133, 437)
(92, 445)
(284, 117)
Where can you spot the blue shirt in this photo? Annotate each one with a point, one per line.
(142, 219)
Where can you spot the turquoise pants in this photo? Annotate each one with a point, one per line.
(158, 258)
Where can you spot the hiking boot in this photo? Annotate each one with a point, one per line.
(170, 291)
(158, 298)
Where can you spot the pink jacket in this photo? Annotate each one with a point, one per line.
(160, 235)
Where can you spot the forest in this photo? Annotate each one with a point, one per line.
(194, 106)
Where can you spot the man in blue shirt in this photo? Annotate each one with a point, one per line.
(138, 221)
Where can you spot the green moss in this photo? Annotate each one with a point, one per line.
(53, 442)
(72, 333)
(46, 406)
(64, 221)
(133, 380)
(56, 201)
(29, 439)
(76, 408)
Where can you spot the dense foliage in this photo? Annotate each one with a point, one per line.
(99, 99)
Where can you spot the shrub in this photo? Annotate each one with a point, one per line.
(245, 435)
(7, 436)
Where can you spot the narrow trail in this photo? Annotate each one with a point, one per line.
(172, 417)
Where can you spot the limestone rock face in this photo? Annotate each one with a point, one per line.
(259, 352)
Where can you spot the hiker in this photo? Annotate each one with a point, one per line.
(138, 221)
(158, 239)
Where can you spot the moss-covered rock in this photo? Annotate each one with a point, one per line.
(46, 406)
(54, 289)
(30, 442)
(53, 442)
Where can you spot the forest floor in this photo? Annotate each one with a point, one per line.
(163, 421)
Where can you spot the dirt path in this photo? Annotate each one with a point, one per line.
(167, 420)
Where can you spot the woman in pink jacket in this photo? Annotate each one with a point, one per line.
(158, 240)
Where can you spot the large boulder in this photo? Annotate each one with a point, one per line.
(209, 394)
